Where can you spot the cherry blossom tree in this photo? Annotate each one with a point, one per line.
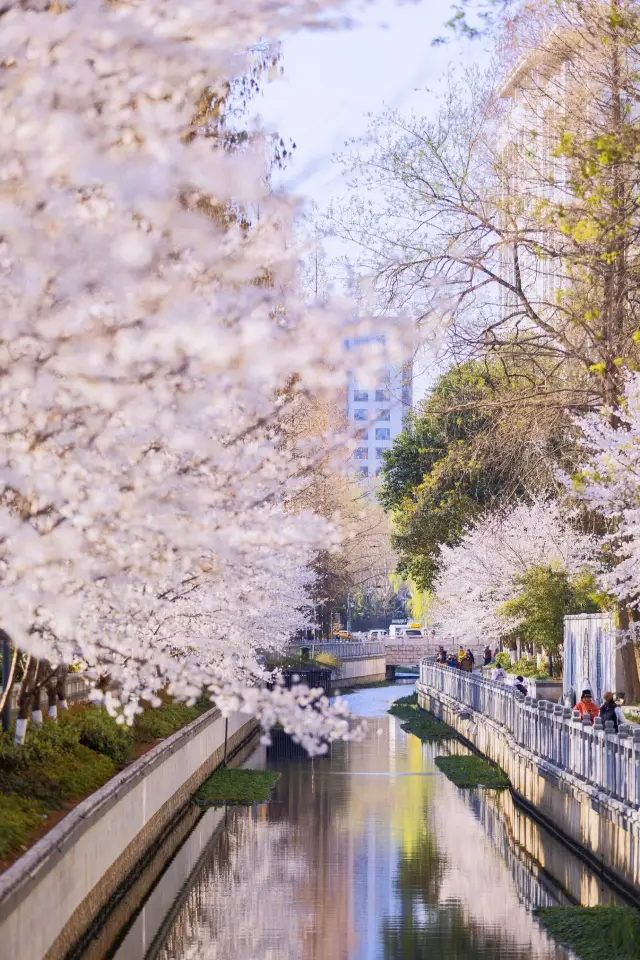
(481, 573)
(608, 483)
(150, 321)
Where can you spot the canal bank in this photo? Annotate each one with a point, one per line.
(74, 875)
(367, 854)
(601, 829)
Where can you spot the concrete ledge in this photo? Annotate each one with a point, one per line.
(69, 875)
(605, 831)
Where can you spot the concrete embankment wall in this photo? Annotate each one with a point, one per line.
(359, 670)
(600, 828)
(53, 894)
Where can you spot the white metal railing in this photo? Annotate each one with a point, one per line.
(606, 760)
(344, 649)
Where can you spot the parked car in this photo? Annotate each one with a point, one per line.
(377, 635)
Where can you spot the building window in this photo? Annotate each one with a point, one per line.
(380, 452)
(383, 433)
(360, 396)
(382, 396)
(406, 396)
(361, 453)
(378, 471)
(364, 471)
(384, 415)
(359, 414)
(362, 435)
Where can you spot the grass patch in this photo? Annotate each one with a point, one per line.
(594, 933)
(419, 722)
(405, 708)
(156, 723)
(472, 771)
(226, 785)
(18, 819)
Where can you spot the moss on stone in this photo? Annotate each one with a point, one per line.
(226, 785)
(472, 771)
(419, 722)
(595, 933)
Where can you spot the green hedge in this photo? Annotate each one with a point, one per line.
(100, 732)
(60, 763)
(52, 767)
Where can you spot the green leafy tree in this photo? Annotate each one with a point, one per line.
(546, 596)
(470, 448)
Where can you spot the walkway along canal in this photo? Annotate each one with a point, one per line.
(584, 781)
(369, 854)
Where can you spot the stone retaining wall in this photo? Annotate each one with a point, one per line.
(604, 830)
(57, 889)
(359, 670)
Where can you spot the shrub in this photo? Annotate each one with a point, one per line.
(528, 667)
(328, 660)
(19, 817)
(503, 660)
(100, 732)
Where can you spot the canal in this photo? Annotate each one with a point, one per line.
(369, 854)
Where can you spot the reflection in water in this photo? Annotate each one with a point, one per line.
(360, 856)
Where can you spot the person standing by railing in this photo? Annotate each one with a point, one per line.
(587, 708)
(520, 686)
(611, 711)
(499, 674)
(488, 657)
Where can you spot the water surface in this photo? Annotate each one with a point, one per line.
(372, 854)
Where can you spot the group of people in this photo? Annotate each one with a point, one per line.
(464, 660)
(586, 706)
(609, 710)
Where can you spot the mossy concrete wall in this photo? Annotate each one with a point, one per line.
(602, 829)
(55, 891)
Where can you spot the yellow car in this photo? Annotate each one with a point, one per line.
(343, 635)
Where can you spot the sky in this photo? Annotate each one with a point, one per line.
(333, 79)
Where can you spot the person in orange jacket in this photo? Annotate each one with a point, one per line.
(586, 707)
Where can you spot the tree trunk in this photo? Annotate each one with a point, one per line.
(9, 665)
(631, 677)
(56, 691)
(25, 700)
(43, 675)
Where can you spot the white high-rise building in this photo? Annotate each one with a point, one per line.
(377, 412)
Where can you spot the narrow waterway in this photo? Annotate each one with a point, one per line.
(369, 854)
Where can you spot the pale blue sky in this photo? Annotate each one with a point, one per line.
(333, 79)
